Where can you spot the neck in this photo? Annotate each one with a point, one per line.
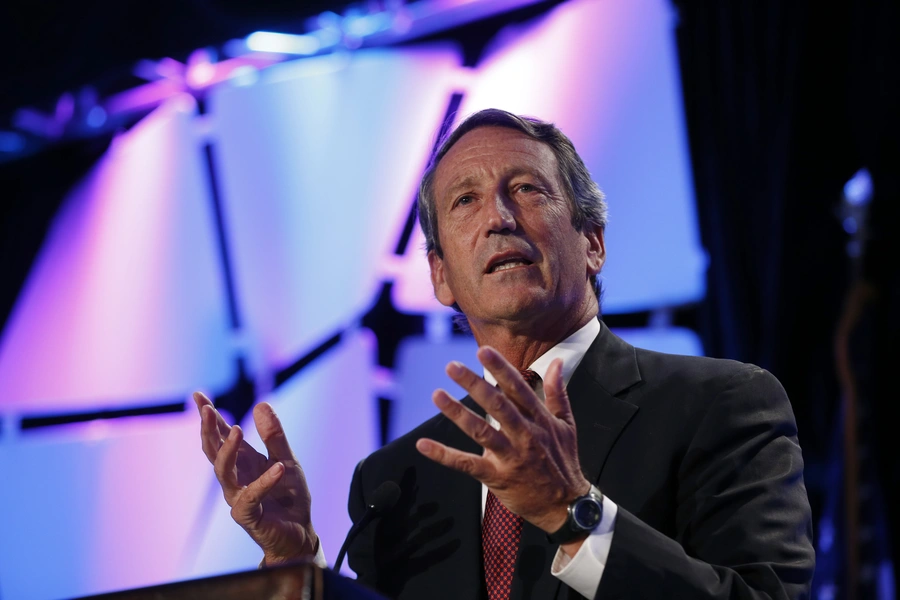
(523, 342)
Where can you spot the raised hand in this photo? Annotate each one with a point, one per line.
(531, 463)
(268, 496)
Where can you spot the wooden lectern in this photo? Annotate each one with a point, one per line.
(298, 581)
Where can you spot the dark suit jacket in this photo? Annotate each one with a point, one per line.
(700, 455)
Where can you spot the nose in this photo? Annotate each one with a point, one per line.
(501, 214)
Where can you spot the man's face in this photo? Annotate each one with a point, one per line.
(510, 252)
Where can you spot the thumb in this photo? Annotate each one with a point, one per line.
(247, 509)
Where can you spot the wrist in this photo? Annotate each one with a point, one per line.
(583, 515)
(272, 559)
(560, 513)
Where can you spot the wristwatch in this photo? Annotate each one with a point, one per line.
(584, 515)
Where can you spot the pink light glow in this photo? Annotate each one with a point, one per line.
(125, 302)
(201, 74)
(143, 97)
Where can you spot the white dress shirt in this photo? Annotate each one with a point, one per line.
(583, 571)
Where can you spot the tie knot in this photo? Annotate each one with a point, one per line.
(531, 378)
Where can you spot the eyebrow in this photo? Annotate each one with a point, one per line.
(471, 180)
(466, 182)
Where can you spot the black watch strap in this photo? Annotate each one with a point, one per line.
(585, 513)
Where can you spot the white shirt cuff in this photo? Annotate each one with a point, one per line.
(583, 571)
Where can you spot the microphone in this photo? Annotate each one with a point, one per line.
(384, 498)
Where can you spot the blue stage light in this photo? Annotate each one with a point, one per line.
(858, 190)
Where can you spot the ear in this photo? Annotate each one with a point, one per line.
(596, 249)
(438, 280)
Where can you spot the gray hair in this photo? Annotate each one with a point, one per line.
(587, 202)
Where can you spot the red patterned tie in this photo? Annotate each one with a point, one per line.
(501, 531)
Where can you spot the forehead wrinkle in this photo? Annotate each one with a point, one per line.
(504, 173)
(468, 181)
(512, 155)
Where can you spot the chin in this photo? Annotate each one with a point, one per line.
(522, 310)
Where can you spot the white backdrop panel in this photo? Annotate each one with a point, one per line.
(101, 506)
(607, 74)
(125, 303)
(319, 162)
(671, 340)
(420, 370)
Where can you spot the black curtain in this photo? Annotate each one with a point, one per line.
(784, 102)
(766, 100)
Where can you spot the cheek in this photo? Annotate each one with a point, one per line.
(456, 232)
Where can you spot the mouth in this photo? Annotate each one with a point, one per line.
(507, 262)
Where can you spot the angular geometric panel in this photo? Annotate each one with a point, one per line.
(671, 340)
(101, 506)
(329, 413)
(420, 365)
(125, 303)
(607, 74)
(319, 161)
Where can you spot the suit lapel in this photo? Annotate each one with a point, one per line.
(608, 368)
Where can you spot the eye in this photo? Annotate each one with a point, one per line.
(464, 200)
(526, 187)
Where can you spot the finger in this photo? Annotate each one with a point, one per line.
(210, 436)
(470, 464)
(202, 400)
(555, 392)
(246, 509)
(510, 380)
(225, 464)
(488, 397)
(470, 423)
(272, 433)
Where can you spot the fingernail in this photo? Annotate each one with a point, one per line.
(454, 368)
(424, 445)
(276, 470)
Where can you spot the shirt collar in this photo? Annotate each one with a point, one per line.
(571, 350)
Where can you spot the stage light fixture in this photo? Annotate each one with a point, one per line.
(283, 43)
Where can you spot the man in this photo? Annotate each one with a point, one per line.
(621, 473)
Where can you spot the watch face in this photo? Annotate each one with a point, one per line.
(587, 513)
